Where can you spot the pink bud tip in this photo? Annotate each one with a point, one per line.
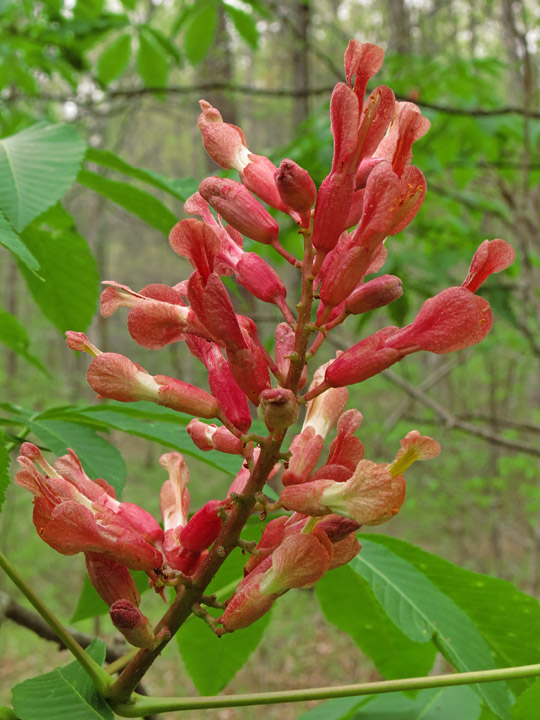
(80, 342)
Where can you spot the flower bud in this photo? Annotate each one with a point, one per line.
(203, 528)
(212, 437)
(186, 398)
(111, 580)
(133, 625)
(295, 186)
(278, 408)
(237, 205)
(225, 143)
(374, 294)
(492, 256)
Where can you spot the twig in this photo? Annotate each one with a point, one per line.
(451, 421)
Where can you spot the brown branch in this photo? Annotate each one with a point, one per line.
(262, 92)
(451, 421)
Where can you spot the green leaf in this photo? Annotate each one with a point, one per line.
(4, 468)
(200, 31)
(136, 201)
(455, 703)
(14, 336)
(66, 693)
(168, 46)
(422, 612)
(511, 629)
(162, 426)
(37, 166)
(152, 64)
(69, 295)
(91, 605)
(212, 662)
(180, 189)
(527, 704)
(88, 9)
(114, 59)
(244, 24)
(348, 603)
(12, 242)
(99, 458)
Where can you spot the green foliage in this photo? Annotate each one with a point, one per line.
(244, 24)
(29, 161)
(436, 704)
(348, 603)
(180, 189)
(14, 336)
(527, 704)
(137, 202)
(68, 292)
(200, 30)
(12, 242)
(66, 692)
(114, 59)
(422, 612)
(161, 425)
(509, 620)
(152, 64)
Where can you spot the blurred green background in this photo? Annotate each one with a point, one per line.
(127, 75)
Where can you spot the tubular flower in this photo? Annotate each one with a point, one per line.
(74, 514)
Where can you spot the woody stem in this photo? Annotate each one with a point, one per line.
(228, 538)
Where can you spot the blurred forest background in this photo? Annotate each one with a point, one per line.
(128, 74)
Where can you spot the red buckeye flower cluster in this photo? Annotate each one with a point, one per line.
(371, 193)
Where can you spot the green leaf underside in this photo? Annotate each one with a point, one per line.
(212, 662)
(136, 201)
(422, 612)
(65, 693)
(4, 468)
(37, 166)
(12, 242)
(508, 619)
(69, 295)
(456, 703)
(14, 336)
(162, 425)
(91, 605)
(348, 602)
(180, 189)
(99, 458)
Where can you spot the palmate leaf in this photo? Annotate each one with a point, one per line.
(37, 166)
(99, 458)
(68, 292)
(457, 703)
(136, 201)
(162, 425)
(12, 242)
(527, 704)
(422, 612)
(66, 693)
(348, 603)
(152, 63)
(244, 24)
(114, 59)
(180, 189)
(508, 619)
